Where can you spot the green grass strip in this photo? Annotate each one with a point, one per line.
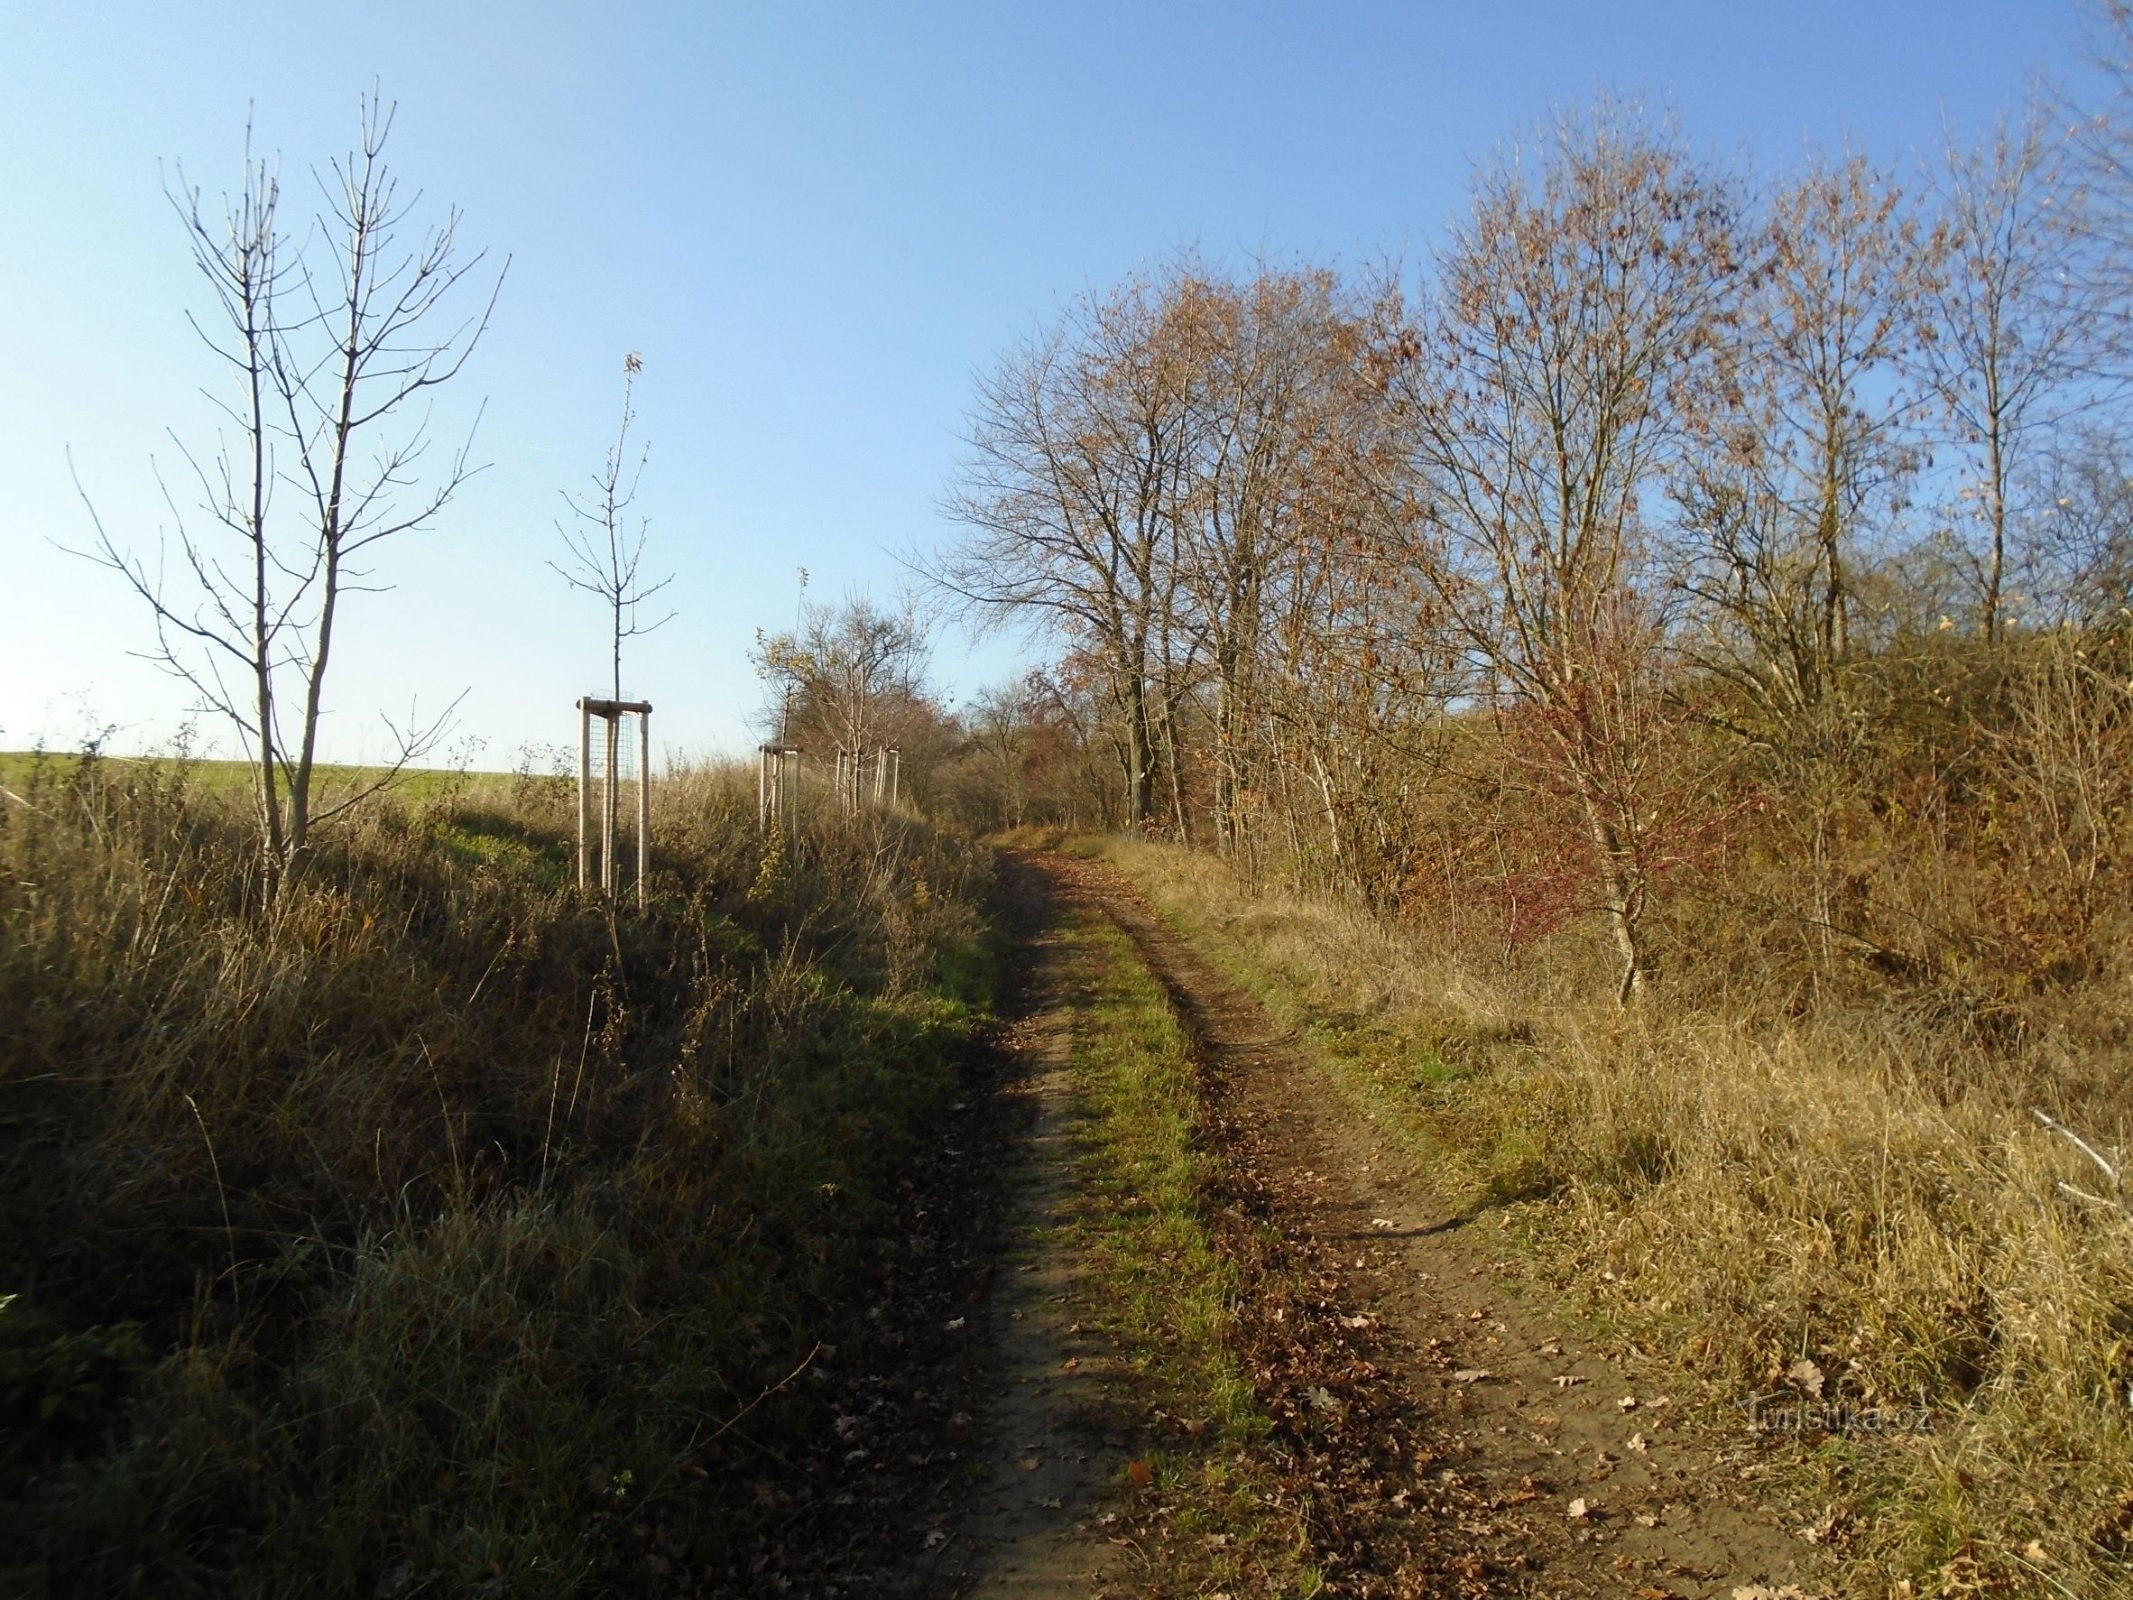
(1163, 1291)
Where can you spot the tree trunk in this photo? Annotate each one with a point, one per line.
(1173, 762)
(1996, 515)
(1140, 764)
(1623, 903)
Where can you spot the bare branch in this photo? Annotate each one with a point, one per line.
(604, 552)
(320, 361)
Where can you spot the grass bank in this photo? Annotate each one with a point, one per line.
(1801, 1208)
(434, 1229)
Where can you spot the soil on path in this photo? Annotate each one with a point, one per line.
(1054, 1436)
(974, 1444)
(960, 1449)
(1489, 1446)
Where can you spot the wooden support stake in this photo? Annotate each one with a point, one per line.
(610, 713)
(644, 802)
(584, 788)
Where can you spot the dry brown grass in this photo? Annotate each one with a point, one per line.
(383, 1231)
(1846, 1187)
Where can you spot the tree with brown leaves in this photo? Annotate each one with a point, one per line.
(1570, 353)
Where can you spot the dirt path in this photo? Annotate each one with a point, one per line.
(1051, 1436)
(1500, 1451)
(1440, 1432)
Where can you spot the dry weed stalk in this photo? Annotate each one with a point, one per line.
(2114, 1171)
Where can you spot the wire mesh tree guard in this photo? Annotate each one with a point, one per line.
(777, 785)
(856, 781)
(608, 766)
(868, 777)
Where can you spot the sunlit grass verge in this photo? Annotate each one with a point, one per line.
(1164, 1293)
(434, 1228)
(1746, 1198)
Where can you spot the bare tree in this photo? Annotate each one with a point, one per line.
(1803, 466)
(1323, 684)
(329, 364)
(1073, 495)
(1263, 362)
(2079, 561)
(1813, 438)
(848, 676)
(1569, 354)
(604, 550)
(2003, 323)
(1187, 475)
(2101, 167)
(996, 748)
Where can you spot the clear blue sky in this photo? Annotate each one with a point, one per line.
(816, 222)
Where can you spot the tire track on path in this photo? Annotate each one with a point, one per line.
(1051, 1437)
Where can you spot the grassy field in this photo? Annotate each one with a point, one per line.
(433, 1227)
(1747, 1196)
(19, 768)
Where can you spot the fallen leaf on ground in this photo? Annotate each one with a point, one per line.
(1824, 1528)
(1580, 1509)
(1141, 1473)
(1471, 1374)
